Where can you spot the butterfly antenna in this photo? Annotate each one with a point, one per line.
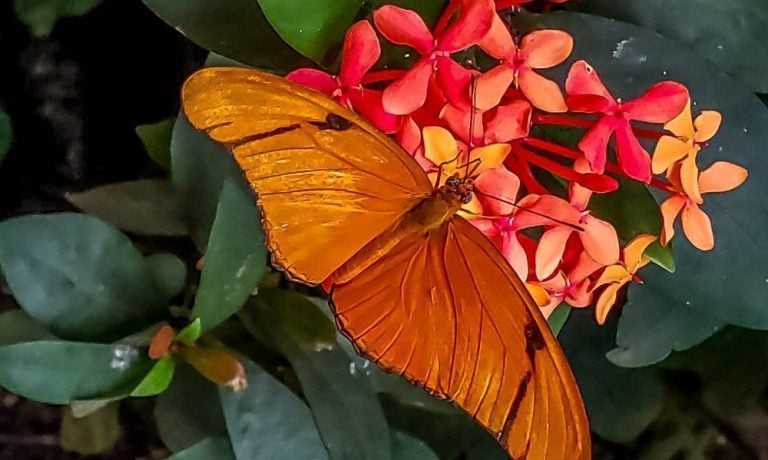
(473, 104)
(553, 219)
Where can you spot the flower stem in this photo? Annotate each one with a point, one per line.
(562, 120)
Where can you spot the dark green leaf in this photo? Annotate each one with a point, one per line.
(200, 168)
(343, 403)
(620, 402)
(189, 412)
(233, 28)
(16, 326)
(144, 206)
(558, 317)
(729, 33)
(95, 434)
(406, 447)
(157, 141)
(212, 448)
(158, 379)
(315, 28)
(78, 277)
(650, 328)
(57, 372)
(41, 15)
(733, 367)
(169, 273)
(267, 420)
(6, 134)
(235, 257)
(728, 283)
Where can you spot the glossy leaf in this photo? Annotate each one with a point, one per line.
(234, 260)
(650, 328)
(94, 434)
(144, 206)
(78, 277)
(79, 370)
(558, 317)
(620, 402)
(158, 379)
(729, 33)
(233, 28)
(343, 403)
(267, 420)
(406, 447)
(727, 283)
(212, 448)
(312, 28)
(156, 138)
(190, 333)
(6, 134)
(169, 273)
(189, 412)
(200, 168)
(41, 15)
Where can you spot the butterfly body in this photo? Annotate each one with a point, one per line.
(416, 287)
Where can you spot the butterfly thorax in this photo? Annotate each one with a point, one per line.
(424, 217)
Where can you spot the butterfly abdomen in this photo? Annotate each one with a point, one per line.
(427, 215)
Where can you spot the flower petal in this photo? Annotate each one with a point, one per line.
(721, 177)
(668, 150)
(595, 143)
(491, 156)
(613, 274)
(408, 93)
(361, 51)
(550, 250)
(583, 80)
(459, 120)
(605, 302)
(409, 135)
(511, 121)
(682, 125)
(498, 182)
(634, 250)
(633, 159)
(670, 208)
(546, 48)
(540, 296)
(660, 104)
(314, 79)
(697, 227)
(471, 26)
(600, 240)
(578, 295)
(707, 125)
(515, 254)
(404, 27)
(455, 82)
(689, 178)
(439, 145)
(492, 85)
(544, 94)
(368, 103)
(498, 41)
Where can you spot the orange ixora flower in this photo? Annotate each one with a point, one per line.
(722, 176)
(614, 277)
(689, 138)
(449, 158)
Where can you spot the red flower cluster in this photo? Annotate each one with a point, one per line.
(447, 115)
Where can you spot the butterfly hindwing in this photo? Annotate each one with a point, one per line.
(447, 312)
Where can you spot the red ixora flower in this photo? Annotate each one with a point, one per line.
(405, 27)
(360, 53)
(587, 94)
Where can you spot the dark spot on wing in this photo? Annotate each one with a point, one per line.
(260, 136)
(533, 339)
(522, 388)
(334, 122)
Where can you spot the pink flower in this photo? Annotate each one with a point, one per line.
(405, 27)
(360, 53)
(587, 94)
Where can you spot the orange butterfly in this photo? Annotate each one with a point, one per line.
(416, 287)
